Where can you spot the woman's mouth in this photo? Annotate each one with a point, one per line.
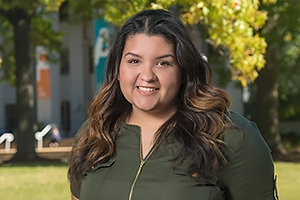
(147, 89)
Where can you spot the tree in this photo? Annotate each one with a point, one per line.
(282, 35)
(23, 16)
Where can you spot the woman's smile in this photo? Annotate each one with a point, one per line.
(147, 89)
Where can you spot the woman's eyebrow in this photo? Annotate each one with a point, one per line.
(165, 56)
(159, 57)
(132, 54)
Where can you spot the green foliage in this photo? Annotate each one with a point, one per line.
(7, 67)
(283, 31)
(289, 95)
(30, 5)
(123, 9)
(43, 33)
(52, 5)
(231, 25)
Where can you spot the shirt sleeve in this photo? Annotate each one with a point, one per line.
(249, 172)
(75, 192)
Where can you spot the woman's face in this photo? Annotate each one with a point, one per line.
(150, 76)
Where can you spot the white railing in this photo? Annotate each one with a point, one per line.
(8, 137)
(39, 135)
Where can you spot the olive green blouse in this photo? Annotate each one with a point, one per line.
(248, 174)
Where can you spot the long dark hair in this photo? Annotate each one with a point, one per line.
(198, 124)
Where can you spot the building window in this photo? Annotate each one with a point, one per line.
(10, 117)
(65, 116)
(64, 62)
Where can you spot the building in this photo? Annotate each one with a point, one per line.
(71, 86)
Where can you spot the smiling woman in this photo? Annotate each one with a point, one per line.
(159, 130)
(150, 78)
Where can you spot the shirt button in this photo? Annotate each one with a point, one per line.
(194, 175)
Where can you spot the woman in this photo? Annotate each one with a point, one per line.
(159, 130)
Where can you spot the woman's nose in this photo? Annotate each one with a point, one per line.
(147, 73)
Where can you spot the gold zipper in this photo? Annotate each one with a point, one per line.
(135, 179)
(140, 167)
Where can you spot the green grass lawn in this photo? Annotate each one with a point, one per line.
(49, 181)
(34, 182)
(288, 180)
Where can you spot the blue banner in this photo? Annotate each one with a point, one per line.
(101, 48)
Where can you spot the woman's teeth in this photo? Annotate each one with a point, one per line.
(146, 89)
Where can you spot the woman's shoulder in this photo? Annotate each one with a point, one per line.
(244, 135)
(238, 120)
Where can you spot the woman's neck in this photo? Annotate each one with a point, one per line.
(149, 124)
(145, 119)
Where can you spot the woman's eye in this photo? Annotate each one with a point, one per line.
(163, 63)
(133, 61)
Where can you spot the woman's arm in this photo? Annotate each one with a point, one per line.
(249, 173)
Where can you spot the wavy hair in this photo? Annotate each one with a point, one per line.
(199, 122)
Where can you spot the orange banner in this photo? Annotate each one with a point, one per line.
(43, 74)
(43, 86)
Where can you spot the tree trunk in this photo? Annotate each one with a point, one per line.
(24, 86)
(267, 103)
